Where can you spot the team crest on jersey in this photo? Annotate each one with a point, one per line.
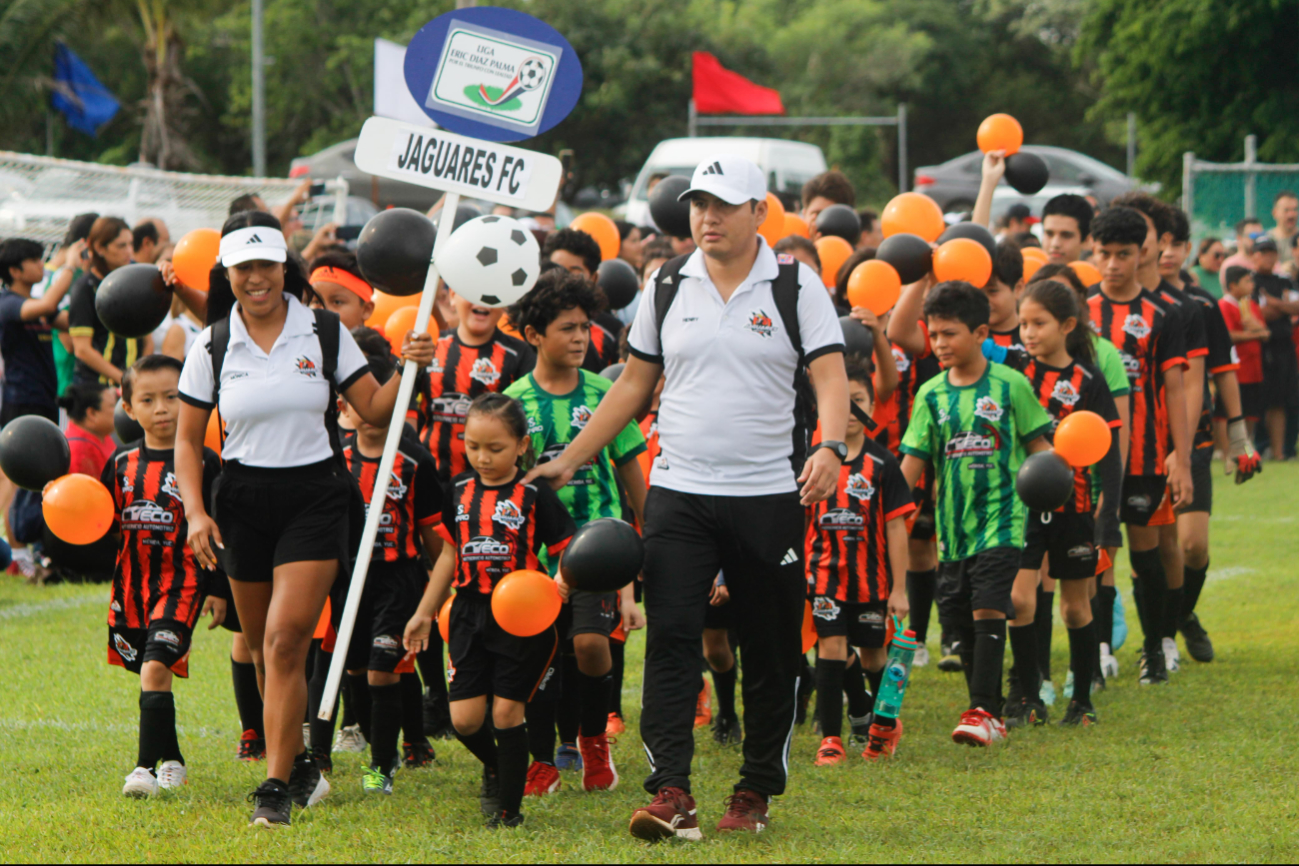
(901, 360)
(760, 323)
(988, 409)
(825, 608)
(484, 371)
(581, 414)
(124, 649)
(169, 486)
(784, 259)
(859, 488)
(397, 489)
(1137, 326)
(305, 367)
(508, 514)
(1065, 392)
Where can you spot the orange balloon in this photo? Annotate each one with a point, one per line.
(1000, 132)
(525, 603)
(444, 621)
(796, 225)
(874, 285)
(913, 213)
(385, 305)
(963, 259)
(194, 256)
(1037, 254)
(809, 627)
(1086, 272)
(1031, 267)
(212, 437)
(773, 227)
(402, 321)
(603, 229)
(77, 508)
(833, 252)
(1082, 438)
(505, 326)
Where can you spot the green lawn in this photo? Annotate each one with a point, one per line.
(1201, 770)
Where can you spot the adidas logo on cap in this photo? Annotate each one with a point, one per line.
(715, 168)
(253, 239)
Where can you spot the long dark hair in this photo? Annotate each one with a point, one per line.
(80, 397)
(221, 297)
(103, 232)
(1062, 303)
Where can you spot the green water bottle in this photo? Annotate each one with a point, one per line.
(897, 673)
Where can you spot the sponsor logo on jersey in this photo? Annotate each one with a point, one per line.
(170, 638)
(840, 519)
(484, 548)
(305, 367)
(126, 485)
(1081, 551)
(484, 371)
(943, 415)
(1137, 326)
(972, 443)
(386, 642)
(825, 608)
(988, 409)
(581, 415)
(435, 367)
(508, 514)
(1131, 365)
(1065, 392)
(871, 617)
(859, 488)
(451, 408)
(115, 607)
(461, 514)
(534, 426)
(1139, 501)
(145, 515)
(124, 649)
(760, 323)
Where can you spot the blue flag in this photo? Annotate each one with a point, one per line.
(85, 102)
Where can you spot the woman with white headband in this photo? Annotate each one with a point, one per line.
(282, 504)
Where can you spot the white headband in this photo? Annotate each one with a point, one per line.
(255, 243)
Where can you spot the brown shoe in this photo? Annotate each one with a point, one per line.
(745, 810)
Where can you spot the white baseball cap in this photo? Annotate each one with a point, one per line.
(733, 179)
(254, 243)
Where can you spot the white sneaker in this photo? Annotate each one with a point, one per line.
(978, 728)
(141, 783)
(172, 775)
(1109, 664)
(1172, 657)
(350, 739)
(921, 659)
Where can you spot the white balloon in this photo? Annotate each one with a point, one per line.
(490, 261)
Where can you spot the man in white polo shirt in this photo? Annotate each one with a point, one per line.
(726, 325)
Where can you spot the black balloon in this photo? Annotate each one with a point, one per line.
(670, 215)
(133, 300)
(612, 372)
(1045, 481)
(619, 282)
(33, 452)
(1026, 172)
(394, 249)
(126, 427)
(842, 222)
(603, 556)
(974, 232)
(910, 255)
(857, 338)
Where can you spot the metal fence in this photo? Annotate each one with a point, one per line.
(1216, 195)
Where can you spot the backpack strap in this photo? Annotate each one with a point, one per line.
(216, 347)
(327, 332)
(666, 286)
(785, 291)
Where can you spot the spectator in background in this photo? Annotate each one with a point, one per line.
(802, 249)
(90, 426)
(1017, 220)
(826, 189)
(148, 240)
(1275, 295)
(1246, 230)
(1066, 228)
(1026, 239)
(632, 239)
(872, 233)
(1208, 265)
(1285, 210)
(286, 213)
(1245, 325)
(654, 181)
(74, 254)
(102, 356)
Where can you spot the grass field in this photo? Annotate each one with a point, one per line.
(1201, 770)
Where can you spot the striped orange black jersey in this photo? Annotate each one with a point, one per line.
(1146, 333)
(1222, 357)
(414, 496)
(892, 415)
(156, 576)
(498, 530)
(458, 374)
(1009, 339)
(602, 351)
(846, 547)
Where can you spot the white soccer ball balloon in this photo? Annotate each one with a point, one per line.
(491, 261)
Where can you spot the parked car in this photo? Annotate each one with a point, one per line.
(337, 161)
(955, 184)
(787, 164)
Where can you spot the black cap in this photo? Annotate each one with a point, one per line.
(1019, 212)
(1265, 245)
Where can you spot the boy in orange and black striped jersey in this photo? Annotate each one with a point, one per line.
(158, 586)
(855, 551)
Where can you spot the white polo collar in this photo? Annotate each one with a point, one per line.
(299, 322)
(765, 267)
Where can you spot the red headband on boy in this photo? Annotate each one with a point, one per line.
(351, 282)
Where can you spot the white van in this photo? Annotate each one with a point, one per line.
(787, 164)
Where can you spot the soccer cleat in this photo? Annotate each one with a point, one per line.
(272, 805)
(251, 747)
(1172, 658)
(567, 757)
(141, 783)
(1046, 694)
(745, 811)
(504, 819)
(727, 730)
(350, 739)
(615, 725)
(1198, 644)
(860, 728)
(1078, 716)
(830, 753)
(1015, 713)
(882, 742)
(417, 754)
(1109, 664)
(921, 658)
(979, 728)
(598, 772)
(543, 779)
(948, 660)
(172, 775)
(307, 786)
(1152, 670)
(489, 794)
(703, 706)
(324, 759)
(375, 781)
(672, 814)
(1034, 713)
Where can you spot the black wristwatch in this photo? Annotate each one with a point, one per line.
(840, 449)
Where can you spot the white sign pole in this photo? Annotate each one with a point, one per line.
(375, 512)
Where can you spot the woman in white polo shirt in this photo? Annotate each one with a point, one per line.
(281, 503)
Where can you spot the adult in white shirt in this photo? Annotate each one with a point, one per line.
(282, 502)
(725, 491)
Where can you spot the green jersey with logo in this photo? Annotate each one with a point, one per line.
(974, 436)
(554, 420)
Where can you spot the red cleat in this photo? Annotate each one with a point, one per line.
(598, 773)
(745, 811)
(615, 725)
(542, 779)
(251, 747)
(979, 728)
(882, 742)
(672, 814)
(704, 707)
(830, 753)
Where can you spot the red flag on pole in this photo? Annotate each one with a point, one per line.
(718, 90)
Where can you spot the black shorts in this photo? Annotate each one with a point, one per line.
(865, 625)
(270, 517)
(392, 594)
(1253, 403)
(10, 411)
(981, 582)
(1145, 501)
(587, 613)
(1280, 375)
(485, 659)
(1202, 478)
(1068, 537)
(165, 640)
(923, 526)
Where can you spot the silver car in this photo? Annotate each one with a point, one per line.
(955, 184)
